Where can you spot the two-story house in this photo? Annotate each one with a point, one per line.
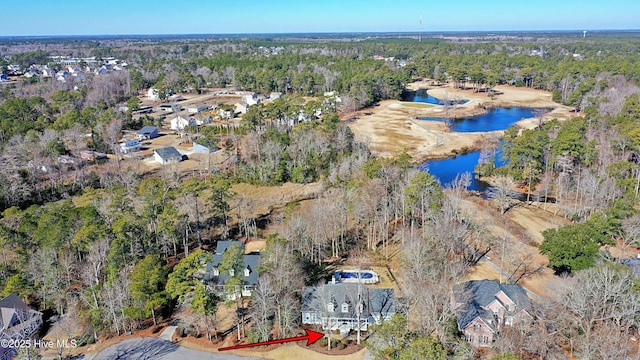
(17, 322)
(347, 306)
(483, 307)
(216, 279)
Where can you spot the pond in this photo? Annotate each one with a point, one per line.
(493, 119)
(424, 97)
(446, 170)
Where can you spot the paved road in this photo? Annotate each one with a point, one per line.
(155, 348)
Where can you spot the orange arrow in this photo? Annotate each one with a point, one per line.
(311, 337)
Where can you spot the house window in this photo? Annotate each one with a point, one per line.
(469, 338)
(330, 307)
(484, 339)
(508, 320)
(476, 327)
(345, 307)
(495, 312)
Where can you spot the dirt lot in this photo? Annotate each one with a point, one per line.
(389, 126)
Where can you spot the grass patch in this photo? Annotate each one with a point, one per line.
(416, 105)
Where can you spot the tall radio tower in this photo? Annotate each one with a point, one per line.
(420, 31)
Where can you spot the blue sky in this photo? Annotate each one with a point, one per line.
(91, 17)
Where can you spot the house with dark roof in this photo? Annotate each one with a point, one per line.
(346, 306)
(17, 322)
(147, 133)
(167, 155)
(483, 307)
(633, 264)
(216, 279)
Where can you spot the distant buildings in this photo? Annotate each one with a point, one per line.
(66, 68)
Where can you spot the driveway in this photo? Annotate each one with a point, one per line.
(155, 348)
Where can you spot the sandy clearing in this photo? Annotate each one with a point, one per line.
(390, 126)
(524, 225)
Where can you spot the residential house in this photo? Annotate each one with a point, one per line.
(633, 264)
(241, 108)
(62, 76)
(346, 306)
(31, 74)
(17, 322)
(175, 98)
(48, 72)
(168, 107)
(227, 113)
(250, 98)
(179, 123)
(275, 95)
(167, 155)
(216, 279)
(153, 94)
(483, 307)
(203, 120)
(130, 146)
(202, 146)
(196, 108)
(147, 132)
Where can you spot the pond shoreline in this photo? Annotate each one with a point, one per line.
(388, 129)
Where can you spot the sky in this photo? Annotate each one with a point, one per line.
(117, 17)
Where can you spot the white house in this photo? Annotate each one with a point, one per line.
(179, 123)
(241, 108)
(203, 121)
(130, 146)
(196, 108)
(250, 99)
(167, 155)
(153, 94)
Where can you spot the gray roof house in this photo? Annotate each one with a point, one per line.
(217, 279)
(347, 306)
(483, 307)
(633, 264)
(147, 132)
(17, 322)
(167, 155)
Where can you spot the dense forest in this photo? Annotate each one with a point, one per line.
(119, 249)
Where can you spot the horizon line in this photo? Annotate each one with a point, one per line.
(320, 33)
